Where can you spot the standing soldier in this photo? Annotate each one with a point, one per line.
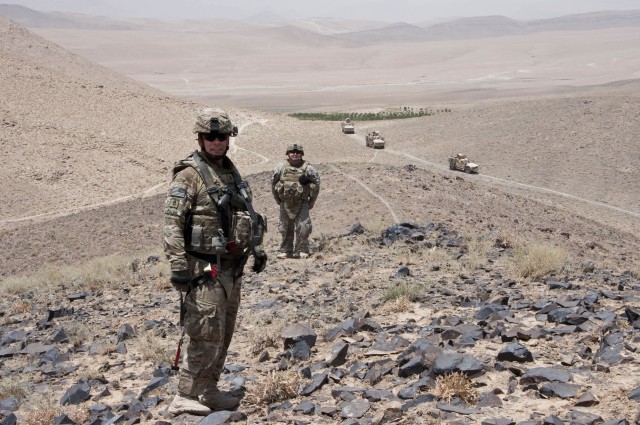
(210, 229)
(295, 185)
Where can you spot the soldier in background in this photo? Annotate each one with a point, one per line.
(205, 241)
(295, 185)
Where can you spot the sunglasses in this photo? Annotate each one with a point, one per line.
(223, 137)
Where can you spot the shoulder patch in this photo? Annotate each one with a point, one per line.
(178, 192)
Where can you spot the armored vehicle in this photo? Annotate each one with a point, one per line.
(461, 162)
(347, 126)
(375, 140)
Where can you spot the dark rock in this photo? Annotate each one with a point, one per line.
(462, 410)
(489, 400)
(455, 362)
(13, 336)
(403, 271)
(77, 394)
(59, 313)
(543, 374)
(300, 350)
(9, 403)
(125, 332)
(635, 394)
(552, 420)
(355, 409)
(516, 353)
(8, 352)
(316, 383)
(497, 421)
(338, 354)
(298, 332)
(587, 399)
(584, 418)
(559, 389)
(413, 367)
(36, 348)
(375, 395)
(306, 407)
(156, 382)
(421, 399)
(222, 417)
(77, 296)
(8, 418)
(59, 336)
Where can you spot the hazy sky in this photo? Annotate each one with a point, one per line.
(384, 10)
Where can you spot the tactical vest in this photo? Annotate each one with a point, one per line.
(288, 187)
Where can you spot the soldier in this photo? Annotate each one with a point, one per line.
(295, 185)
(210, 229)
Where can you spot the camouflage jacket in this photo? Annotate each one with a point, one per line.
(191, 221)
(286, 186)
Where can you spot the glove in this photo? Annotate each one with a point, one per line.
(259, 261)
(180, 280)
(304, 179)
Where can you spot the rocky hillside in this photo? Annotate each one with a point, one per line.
(430, 297)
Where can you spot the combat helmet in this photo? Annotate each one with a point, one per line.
(213, 120)
(295, 147)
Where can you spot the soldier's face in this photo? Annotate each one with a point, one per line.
(215, 145)
(295, 156)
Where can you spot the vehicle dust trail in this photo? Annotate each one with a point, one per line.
(368, 189)
(522, 185)
(146, 193)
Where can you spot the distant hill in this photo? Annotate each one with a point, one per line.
(347, 28)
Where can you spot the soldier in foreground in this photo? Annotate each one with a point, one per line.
(210, 229)
(295, 185)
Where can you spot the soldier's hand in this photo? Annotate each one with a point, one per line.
(180, 280)
(304, 179)
(259, 261)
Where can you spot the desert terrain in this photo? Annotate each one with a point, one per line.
(94, 116)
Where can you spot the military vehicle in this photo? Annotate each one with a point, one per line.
(375, 140)
(347, 126)
(461, 162)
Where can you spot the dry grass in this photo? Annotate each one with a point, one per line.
(78, 333)
(264, 330)
(410, 292)
(455, 384)
(478, 248)
(44, 409)
(97, 274)
(537, 260)
(274, 387)
(154, 348)
(399, 305)
(18, 388)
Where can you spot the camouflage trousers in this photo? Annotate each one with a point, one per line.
(209, 321)
(295, 231)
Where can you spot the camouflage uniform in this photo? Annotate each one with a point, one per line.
(194, 240)
(294, 198)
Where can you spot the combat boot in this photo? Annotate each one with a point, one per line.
(217, 400)
(185, 404)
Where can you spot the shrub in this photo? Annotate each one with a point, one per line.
(455, 384)
(276, 386)
(156, 349)
(411, 292)
(536, 260)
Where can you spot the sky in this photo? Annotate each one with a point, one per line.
(383, 10)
